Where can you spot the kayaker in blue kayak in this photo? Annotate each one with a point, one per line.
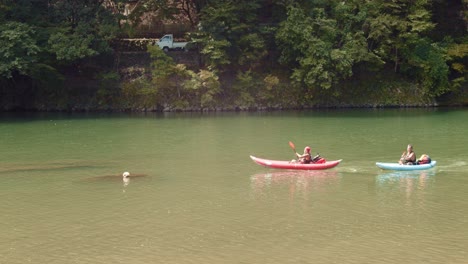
(408, 157)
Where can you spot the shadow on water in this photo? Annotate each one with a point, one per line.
(296, 182)
(50, 166)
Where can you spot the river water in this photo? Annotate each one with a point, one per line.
(194, 195)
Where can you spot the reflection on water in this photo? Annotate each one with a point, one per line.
(298, 183)
(414, 179)
(126, 181)
(413, 184)
(113, 178)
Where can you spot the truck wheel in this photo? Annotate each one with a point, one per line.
(166, 49)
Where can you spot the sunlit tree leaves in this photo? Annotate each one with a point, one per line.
(18, 49)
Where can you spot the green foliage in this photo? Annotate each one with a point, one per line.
(245, 87)
(269, 94)
(138, 94)
(162, 66)
(324, 53)
(426, 62)
(69, 46)
(181, 88)
(214, 34)
(162, 9)
(252, 48)
(395, 25)
(458, 60)
(202, 88)
(85, 29)
(4, 7)
(52, 37)
(109, 89)
(326, 42)
(31, 12)
(215, 52)
(18, 49)
(230, 36)
(162, 69)
(458, 51)
(294, 53)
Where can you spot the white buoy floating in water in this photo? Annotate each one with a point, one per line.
(126, 179)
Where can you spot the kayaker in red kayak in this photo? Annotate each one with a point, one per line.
(305, 158)
(408, 157)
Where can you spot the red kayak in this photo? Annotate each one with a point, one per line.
(281, 164)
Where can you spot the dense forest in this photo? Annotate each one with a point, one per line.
(258, 54)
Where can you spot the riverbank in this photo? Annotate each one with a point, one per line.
(127, 86)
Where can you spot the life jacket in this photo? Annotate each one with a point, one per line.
(424, 159)
(306, 159)
(318, 159)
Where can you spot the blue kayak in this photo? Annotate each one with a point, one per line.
(399, 167)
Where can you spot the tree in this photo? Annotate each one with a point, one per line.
(323, 43)
(202, 88)
(18, 49)
(426, 62)
(40, 40)
(395, 25)
(458, 59)
(84, 29)
(230, 36)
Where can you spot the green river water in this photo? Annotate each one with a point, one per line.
(196, 197)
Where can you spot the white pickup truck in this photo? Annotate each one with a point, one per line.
(167, 43)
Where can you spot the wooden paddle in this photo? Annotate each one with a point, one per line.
(293, 147)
